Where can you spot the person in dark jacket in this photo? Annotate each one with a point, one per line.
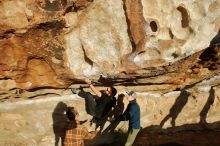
(132, 113)
(99, 104)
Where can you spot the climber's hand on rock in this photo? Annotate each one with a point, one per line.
(88, 81)
(112, 118)
(98, 129)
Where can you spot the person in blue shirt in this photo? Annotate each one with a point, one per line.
(132, 114)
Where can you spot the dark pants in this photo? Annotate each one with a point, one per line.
(91, 106)
(89, 101)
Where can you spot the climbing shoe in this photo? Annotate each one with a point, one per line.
(74, 90)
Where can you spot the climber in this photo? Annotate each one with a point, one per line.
(100, 104)
(132, 114)
(75, 132)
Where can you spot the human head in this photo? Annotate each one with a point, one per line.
(131, 95)
(111, 91)
(72, 113)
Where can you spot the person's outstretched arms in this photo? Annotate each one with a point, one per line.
(96, 91)
(125, 116)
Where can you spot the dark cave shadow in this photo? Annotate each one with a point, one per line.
(171, 144)
(118, 110)
(209, 102)
(184, 135)
(176, 108)
(216, 40)
(209, 57)
(59, 119)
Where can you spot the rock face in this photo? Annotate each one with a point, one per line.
(166, 50)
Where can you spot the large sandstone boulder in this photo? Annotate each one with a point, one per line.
(166, 50)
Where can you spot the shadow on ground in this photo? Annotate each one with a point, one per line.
(185, 135)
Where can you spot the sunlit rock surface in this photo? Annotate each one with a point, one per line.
(166, 50)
